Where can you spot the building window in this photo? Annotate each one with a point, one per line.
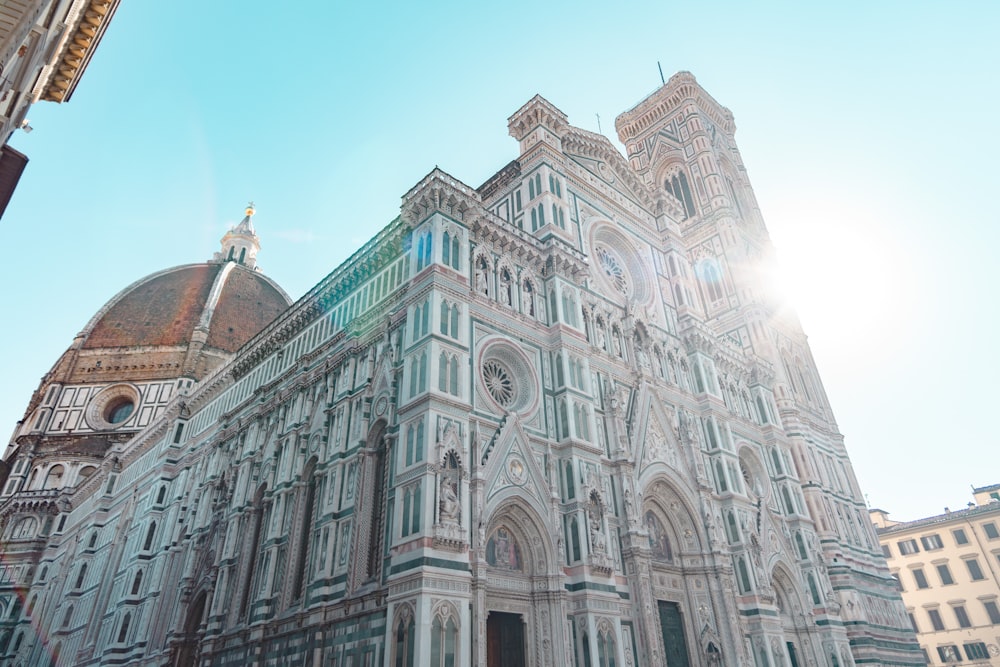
(677, 185)
(421, 317)
(411, 510)
(913, 622)
(949, 653)
(932, 542)
(424, 253)
(962, 616)
(81, 576)
(404, 644)
(991, 530)
(976, 651)
(936, 621)
(907, 547)
(415, 442)
(123, 631)
(449, 251)
(945, 574)
(993, 611)
(886, 551)
(444, 642)
(918, 576)
(959, 535)
(975, 572)
(148, 544)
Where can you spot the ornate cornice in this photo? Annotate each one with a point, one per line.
(76, 50)
(666, 100)
(536, 111)
(439, 192)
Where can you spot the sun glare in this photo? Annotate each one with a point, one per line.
(845, 282)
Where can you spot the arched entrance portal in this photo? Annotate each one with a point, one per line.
(522, 612)
(187, 652)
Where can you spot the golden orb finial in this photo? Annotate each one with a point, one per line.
(250, 209)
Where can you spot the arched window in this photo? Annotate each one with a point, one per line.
(743, 575)
(801, 545)
(444, 641)
(443, 316)
(570, 486)
(453, 376)
(732, 529)
(93, 540)
(455, 257)
(443, 372)
(243, 255)
(305, 530)
(677, 185)
(374, 500)
(574, 529)
(720, 475)
(606, 648)
(711, 278)
(789, 507)
(161, 496)
(53, 479)
(68, 617)
(446, 249)
(404, 643)
(81, 575)
(123, 630)
(563, 419)
(137, 582)
(761, 410)
(150, 533)
(424, 251)
(813, 589)
(259, 518)
(454, 321)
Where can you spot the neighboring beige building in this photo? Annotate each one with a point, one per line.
(948, 567)
(45, 45)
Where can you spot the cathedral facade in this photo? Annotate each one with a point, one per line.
(557, 419)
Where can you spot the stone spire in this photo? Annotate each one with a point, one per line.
(241, 244)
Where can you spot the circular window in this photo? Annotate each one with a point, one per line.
(613, 269)
(619, 266)
(498, 382)
(507, 378)
(119, 411)
(112, 407)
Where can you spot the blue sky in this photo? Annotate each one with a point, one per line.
(867, 130)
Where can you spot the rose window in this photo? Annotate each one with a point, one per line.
(507, 379)
(498, 382)
(612, 269)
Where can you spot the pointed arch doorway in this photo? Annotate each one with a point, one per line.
(522, 599)
(187, 651)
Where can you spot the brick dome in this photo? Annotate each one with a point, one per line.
(166, 308)
(183, 321)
